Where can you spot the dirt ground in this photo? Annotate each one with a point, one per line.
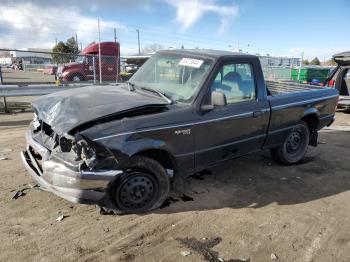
(244, 210)
(11, 76)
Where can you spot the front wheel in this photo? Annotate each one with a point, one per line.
(294, 147)
(77, 78)
(143, 187)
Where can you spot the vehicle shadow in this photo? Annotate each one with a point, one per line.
(255, 180)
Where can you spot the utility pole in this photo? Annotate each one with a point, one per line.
(115, 35)
(76, 41)
(301, 63)
(99, 50)
(138, 40)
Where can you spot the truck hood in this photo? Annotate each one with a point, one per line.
(66, 110)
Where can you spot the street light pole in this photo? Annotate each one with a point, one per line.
(99, 51)
(301, 64)
(138, 40)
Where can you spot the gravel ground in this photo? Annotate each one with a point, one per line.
(249, 209)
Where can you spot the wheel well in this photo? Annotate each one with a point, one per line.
(160, 155)
(311, 121)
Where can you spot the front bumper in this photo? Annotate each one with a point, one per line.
(76, 186)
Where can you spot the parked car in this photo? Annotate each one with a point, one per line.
(87, 65)
(339, 78)
(183, 111)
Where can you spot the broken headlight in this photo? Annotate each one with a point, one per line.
(35, 122)
(84, 151)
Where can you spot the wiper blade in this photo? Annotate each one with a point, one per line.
(161, 94)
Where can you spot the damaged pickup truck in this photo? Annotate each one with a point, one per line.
(121, 146)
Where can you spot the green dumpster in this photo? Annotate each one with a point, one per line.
(310, 74)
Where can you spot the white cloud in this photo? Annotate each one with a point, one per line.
(188, 12)
(30, 25)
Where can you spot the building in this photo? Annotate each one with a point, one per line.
(267, 61)
(33, 55)
(29, 56)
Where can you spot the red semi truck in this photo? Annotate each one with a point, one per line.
(87, 65)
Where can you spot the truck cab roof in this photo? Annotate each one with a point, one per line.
(208, 53)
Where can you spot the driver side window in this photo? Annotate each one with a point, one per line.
(236, 81)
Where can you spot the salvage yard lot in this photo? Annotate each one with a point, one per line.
(247, 208)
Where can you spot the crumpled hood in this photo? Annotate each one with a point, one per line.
(66, 110)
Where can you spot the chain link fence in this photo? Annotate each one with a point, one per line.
(277, 73)
(33, 67)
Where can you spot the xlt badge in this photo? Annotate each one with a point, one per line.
(183, 132)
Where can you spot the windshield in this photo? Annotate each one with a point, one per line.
(176, 76)
(80, 59)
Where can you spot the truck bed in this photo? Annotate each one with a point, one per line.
(279, 88)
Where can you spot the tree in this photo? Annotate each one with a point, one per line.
(330, 62)
(65, 52)
(72, 45)
(305, 62)
(315, 61)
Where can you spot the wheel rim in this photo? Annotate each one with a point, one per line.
(294, 141)
(76, 79)
(137, 191)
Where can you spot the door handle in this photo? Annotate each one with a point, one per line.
(257, 114)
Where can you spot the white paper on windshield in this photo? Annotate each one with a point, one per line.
(196, 63)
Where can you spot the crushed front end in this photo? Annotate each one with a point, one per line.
(72, 167)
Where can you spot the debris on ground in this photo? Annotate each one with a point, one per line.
(202, 247)
(18, 194)
(61, 217)
(35, 187)
(107, 211)
(185, 253)
(274, 256)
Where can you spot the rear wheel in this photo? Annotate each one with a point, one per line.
(294, 147)
(144, 186)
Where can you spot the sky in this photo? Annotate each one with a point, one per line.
(282, 28)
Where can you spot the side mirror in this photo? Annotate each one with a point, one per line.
(218, 98)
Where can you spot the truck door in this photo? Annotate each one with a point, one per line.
(90, 67)
(239, 127)
(109, 67)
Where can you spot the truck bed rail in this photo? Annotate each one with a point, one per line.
(279, 87)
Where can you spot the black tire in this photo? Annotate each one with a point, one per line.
(294, 147)
(76, 78)
(143, 187)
